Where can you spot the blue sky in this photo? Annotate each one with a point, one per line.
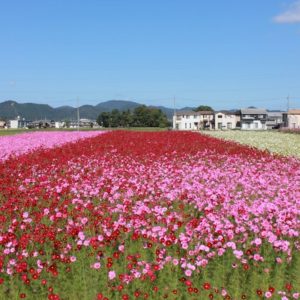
(227, 54)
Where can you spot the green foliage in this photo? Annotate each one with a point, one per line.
(203, 108)
(141, 116)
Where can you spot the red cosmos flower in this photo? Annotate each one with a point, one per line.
(190, 289)
(288, 286)
(206, 286)
(53, 297)
(1, 280)
(259, 292)
(155, 289)
(99, 296)
(271, 289)
(43, 281)
(125, 297)
(137, 294)
(168, 243)
(211, 296)
(246, 267)
(22, 295)
(188, 283)
(109, 265)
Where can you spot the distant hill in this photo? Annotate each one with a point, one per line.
(32, 111)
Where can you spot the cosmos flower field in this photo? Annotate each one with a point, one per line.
(148, 215)
(285, 142)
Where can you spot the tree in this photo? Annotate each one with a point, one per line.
(126, 118)
(115, 118)
(104, 119)
(203, 108)
(142, 116)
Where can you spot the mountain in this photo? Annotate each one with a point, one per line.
(117, 104)
(32, 111)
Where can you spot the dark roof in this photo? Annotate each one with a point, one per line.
(229, 112)
(253, 111)
(194, 113)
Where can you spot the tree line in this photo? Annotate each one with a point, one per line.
(141, 116)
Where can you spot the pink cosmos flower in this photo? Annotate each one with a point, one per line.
(188, 272)
(268, 294)
(111, 275)
(96, 266)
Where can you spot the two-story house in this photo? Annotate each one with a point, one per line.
(291, 119)
(274, 119)
(253, 119)
(191, 120)
(227, 120)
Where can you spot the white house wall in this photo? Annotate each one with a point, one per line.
(255, 125)
(226, 121)
(294, 121)
(188, 122)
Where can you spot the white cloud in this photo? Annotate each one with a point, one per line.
(291, 15)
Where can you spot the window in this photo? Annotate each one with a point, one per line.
(187, 117)
(229, 125)
(190, 125)
(185, 125)
(220, 125)
(219, 116)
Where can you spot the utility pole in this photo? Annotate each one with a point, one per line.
(77, 100)
(174, 116)
(174, 103)
(288, 103)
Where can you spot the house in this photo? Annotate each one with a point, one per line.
(2, 124)
(14, 124)
(191, 120)
(253, 119)
(227, 120)
(40, 124)
(274, 119)
(291, 119)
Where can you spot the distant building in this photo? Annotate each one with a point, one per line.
(274, 119)
(87, 123)
(59, 124)
(2, 124)
(254, 119)
(191, 120)
(227, 120)
(14, 124)
(291, 119)
(41, 124)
